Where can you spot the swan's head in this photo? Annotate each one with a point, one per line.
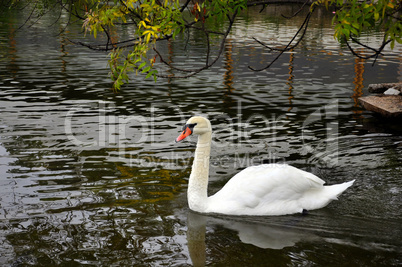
(195, 125)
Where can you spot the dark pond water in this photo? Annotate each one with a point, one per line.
(89, 177)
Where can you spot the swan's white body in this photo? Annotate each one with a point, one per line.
(268, 189)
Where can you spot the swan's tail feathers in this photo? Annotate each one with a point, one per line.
(316, 199)
(335, 190)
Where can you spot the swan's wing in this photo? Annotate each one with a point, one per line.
(265, 178)
(267, 183)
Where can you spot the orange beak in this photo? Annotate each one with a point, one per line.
(186, 132)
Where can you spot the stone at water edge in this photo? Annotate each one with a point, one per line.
(389, 106)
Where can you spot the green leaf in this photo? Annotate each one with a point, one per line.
(346, 32)
(354, 31)
(376, 16)
(146, 69)
(142, 65)
(148, 75)
(356, 25)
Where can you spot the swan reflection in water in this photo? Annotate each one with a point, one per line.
(262, 235)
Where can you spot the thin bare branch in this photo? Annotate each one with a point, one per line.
(184, 6)
(288, 46)
(29, 17)
(208, 63)
(375, 55)
(298, 11)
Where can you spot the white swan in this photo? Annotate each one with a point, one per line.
(268, 189)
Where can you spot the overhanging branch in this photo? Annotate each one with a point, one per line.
(375, 54)
(288, 47)
(208, 63)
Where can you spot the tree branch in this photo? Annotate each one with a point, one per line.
(288, 46)
(208, 63)
(376, 53)
(298, 11)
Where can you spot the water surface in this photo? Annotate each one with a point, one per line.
(92, 177)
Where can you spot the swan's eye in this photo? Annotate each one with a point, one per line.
(191, 126)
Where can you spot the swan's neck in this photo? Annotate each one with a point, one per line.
(198, 182)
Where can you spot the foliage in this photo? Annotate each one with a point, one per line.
(150, 21)
(153, 20)
(352, 17)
